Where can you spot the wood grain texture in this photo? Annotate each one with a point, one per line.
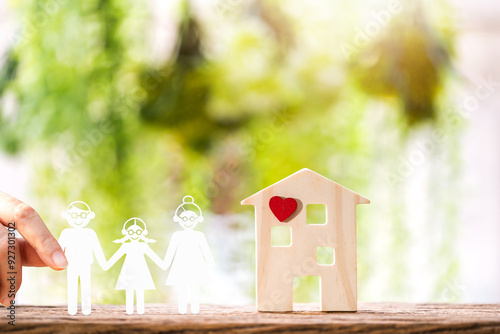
(370, 318)
(277, 266)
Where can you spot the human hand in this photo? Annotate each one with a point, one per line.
(37, 247)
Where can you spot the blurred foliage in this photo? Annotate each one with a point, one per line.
(252, 92)
(407, 61)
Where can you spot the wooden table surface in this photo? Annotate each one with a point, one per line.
(371, 317)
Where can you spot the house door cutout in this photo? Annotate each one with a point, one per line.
(306, 289)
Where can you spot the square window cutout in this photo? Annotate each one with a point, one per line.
(316, 214)
(325, 256)
(281, 236)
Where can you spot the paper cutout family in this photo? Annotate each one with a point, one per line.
(279, 206)
(188, 257)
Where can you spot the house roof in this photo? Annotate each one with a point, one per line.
(362, 200)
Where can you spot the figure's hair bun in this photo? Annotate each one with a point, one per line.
(189, 201)
(185, 201)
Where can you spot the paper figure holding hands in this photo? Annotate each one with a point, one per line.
(79, 244)
(188, 256)
(135, 274)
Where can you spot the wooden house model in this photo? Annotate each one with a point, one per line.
(284, 205)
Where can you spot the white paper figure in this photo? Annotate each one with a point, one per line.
(79, 245)
(135, 275)
(188, 256)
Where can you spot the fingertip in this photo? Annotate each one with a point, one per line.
(59, 260)
(6, 302)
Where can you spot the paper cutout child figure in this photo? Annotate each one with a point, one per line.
(188, 256)
(79, 244)
(135, 274)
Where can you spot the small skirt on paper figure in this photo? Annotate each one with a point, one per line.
(188, 266)
(183, 273)
(135, 271)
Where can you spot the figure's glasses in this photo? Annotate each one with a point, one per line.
(138, 232)
(185, 219)
(75, 215)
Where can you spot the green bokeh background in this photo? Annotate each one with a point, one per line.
(250, 93)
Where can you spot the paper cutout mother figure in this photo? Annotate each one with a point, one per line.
(188, 256)
(135, 274)
(79, 245)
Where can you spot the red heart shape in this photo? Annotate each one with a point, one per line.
(282, 208)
